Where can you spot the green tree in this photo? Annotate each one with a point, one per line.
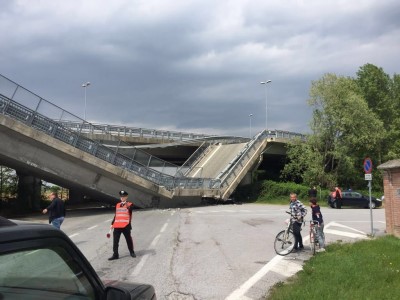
(382, 95)
(8, 182)
(344, 131)
(393, 142)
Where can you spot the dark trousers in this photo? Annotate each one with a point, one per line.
(339, 202)
(298, 240)
(116, 236)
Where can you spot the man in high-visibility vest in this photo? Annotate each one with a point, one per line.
(122, 224)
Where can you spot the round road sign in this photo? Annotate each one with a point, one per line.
(367, 165)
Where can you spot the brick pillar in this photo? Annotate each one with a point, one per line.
(391, 185)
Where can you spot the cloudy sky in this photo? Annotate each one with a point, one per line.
(193, 65)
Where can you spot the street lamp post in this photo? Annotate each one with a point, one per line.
(85, 85)
(266, 103)
(250, 115)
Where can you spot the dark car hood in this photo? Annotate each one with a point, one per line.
(135, 289)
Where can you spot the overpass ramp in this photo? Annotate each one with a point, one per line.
(219, 156)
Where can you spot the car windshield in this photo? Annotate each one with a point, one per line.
(46, 273)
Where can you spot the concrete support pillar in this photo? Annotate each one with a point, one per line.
(29, 192)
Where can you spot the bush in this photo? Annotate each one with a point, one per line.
(273, 192)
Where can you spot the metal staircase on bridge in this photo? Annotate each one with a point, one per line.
(20, 104)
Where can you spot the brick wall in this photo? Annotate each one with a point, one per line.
(391, 185)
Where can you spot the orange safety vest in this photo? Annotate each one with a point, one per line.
(122, 215)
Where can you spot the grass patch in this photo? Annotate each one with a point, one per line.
(362, 270)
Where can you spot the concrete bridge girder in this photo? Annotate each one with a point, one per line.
(24, 148)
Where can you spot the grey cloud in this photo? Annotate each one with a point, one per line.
(194, 65)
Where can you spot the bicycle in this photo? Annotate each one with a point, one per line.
(314, 242)
(284, 240)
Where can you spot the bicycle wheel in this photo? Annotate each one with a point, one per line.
(312, 241)
(284, 242)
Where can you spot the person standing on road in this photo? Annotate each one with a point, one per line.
(338, 197)
(298, 212)
(312, 193)
(56, 210)
(317, 216)
(122, 225)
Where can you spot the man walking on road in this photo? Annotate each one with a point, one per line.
(56, 210)
(122, 225)
(298, 212)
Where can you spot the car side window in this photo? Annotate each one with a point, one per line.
(44, 273)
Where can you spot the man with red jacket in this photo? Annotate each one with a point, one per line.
(338, 197)
(122, 224)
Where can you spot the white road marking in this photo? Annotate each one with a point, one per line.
(93, 227)
(344, 226)
(287, 268)
(347, 234)
(144, 258)
(72, 235)
(154, 242)
(238, 294)
(164, 227)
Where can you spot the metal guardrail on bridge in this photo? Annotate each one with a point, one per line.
(126, 131)
(21, 104)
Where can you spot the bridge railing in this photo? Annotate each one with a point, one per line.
(36, 112)
(126, 131)
(231, 172)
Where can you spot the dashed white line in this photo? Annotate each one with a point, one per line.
(144, 258)
(72, 235)
(93, 227)
(164, 227)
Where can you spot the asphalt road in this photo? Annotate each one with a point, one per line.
(212, 252)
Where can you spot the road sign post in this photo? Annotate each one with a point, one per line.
(368, 176)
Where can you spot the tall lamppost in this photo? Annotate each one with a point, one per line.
(266, 103)
(85, 85)
(250, 115)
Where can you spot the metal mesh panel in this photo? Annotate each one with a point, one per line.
(64, 135)
(18, 112)
(42, 124)
(85, 145)
(153, 176)
(3, 103)
(121, 161)
(104, 153)
(138, 169)
(168, 181)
